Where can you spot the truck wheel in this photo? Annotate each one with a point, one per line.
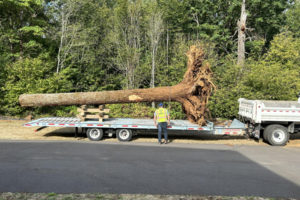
(277, 135)
(94, 134)
(124, 135)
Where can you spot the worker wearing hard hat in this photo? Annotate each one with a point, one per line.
(162, 120)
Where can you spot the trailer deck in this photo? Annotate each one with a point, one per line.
(115, 123)
(235, 128)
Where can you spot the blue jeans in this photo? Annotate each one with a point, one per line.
(162, 126)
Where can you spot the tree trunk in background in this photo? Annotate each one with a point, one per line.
(67, 34)
(242, 35)
(193, 92)
(154, 33)
(127, 33)
(152, 85)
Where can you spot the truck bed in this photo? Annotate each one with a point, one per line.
(259, 111)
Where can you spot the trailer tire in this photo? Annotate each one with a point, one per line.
(277, 135)
(94, 134)
(124, 135)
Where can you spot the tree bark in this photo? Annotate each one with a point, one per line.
(104, 97)
(193, 92)
(242, 35)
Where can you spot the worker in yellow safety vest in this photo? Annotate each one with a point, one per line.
(162, 120)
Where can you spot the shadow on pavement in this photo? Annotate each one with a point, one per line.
(193, 135)
(295, 136)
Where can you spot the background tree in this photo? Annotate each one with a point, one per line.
(127, 38)
(155, 30)
(67, 32)
(23, 39)
(241, 25)
(273, 77)
(111, 49)
(293, 19)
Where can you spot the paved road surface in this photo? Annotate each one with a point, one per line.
(75, 167)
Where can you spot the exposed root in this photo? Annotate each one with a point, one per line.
(199, 76)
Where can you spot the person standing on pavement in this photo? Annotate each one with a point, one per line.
(161, 121)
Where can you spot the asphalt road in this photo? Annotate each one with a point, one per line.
(84, 167)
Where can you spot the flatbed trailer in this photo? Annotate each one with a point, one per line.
(125, 128)
(274, 121)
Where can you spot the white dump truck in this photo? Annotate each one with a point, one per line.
(272, 120)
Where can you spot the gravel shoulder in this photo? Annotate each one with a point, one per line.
(53, 196)
(13, 130)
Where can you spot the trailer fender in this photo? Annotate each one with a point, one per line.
(39, 129)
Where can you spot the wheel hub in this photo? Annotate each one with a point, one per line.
(95, 133)
(124, 134)
(278, 136)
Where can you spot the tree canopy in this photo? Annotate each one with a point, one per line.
(94, 45)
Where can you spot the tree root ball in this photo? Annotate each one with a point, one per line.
(199, 77)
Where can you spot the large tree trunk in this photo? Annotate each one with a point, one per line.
(193, 92)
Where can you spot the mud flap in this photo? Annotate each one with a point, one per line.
(256, 132)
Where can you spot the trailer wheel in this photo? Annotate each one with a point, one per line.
(124, 135)
(277, 135)
(94, 134)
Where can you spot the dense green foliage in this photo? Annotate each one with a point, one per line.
(94, 45)
(275, 76)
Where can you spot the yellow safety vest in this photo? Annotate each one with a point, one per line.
(161, 114)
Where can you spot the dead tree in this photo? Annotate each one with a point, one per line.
(193, 92)
(242, 35)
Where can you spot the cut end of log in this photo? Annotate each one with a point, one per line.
(134, 98)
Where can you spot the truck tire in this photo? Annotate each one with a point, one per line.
(265, 133)
(124, 135)
(94, 134)
(277, 135)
